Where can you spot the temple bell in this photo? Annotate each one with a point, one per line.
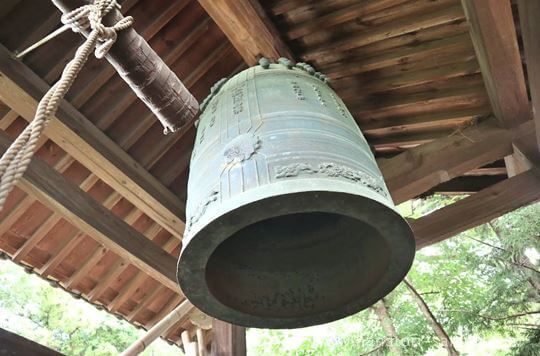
(289, 222)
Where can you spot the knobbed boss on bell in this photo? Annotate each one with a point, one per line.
(289, 221)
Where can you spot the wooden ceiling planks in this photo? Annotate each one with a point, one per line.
(393, 73)
(92, 218)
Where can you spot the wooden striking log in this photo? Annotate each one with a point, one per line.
(146, 73)
(477, 209)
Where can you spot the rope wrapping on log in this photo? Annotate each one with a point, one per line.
(15, 161)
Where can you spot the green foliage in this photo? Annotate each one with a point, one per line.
(32, 308)
(529, 346)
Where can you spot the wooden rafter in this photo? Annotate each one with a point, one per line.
(248, 28)
(379, 33)
(477, 209)
(419, 169)
(494, 38)
(21, 89)
(68, 200)
(493, 33)
(529, 13)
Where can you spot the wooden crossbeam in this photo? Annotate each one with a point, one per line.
(20, 88)
(419, 169)
(86, 214)
(477, 209)
(529, 13)
(248, 28)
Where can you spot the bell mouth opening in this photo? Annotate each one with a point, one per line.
(297, 265)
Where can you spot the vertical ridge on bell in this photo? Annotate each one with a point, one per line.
(289, 221)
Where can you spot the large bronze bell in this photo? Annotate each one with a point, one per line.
(289, 222)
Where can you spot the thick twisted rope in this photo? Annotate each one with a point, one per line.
(16, 159)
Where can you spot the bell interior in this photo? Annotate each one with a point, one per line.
(297, 265)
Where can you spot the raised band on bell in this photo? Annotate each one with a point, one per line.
(289, 222)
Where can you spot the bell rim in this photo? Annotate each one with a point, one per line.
(204, 242)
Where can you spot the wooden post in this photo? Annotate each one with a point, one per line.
(228, 340)
(190, 347)
(146, 73)
(201, 342)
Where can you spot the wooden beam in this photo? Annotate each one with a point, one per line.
(248, 28)
(529, 13)
(493, 33)
(86, 214)
(228, 339)
(419, 169)
(477, 209)
(494, 38)
(12, 344)
(20, 88)
(464, 185)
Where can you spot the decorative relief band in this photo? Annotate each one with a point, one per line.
(201, 208)
(331, 170)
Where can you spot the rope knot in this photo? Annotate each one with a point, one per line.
(16, 159)
(90, 17)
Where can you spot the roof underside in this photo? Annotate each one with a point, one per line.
(406, 69)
